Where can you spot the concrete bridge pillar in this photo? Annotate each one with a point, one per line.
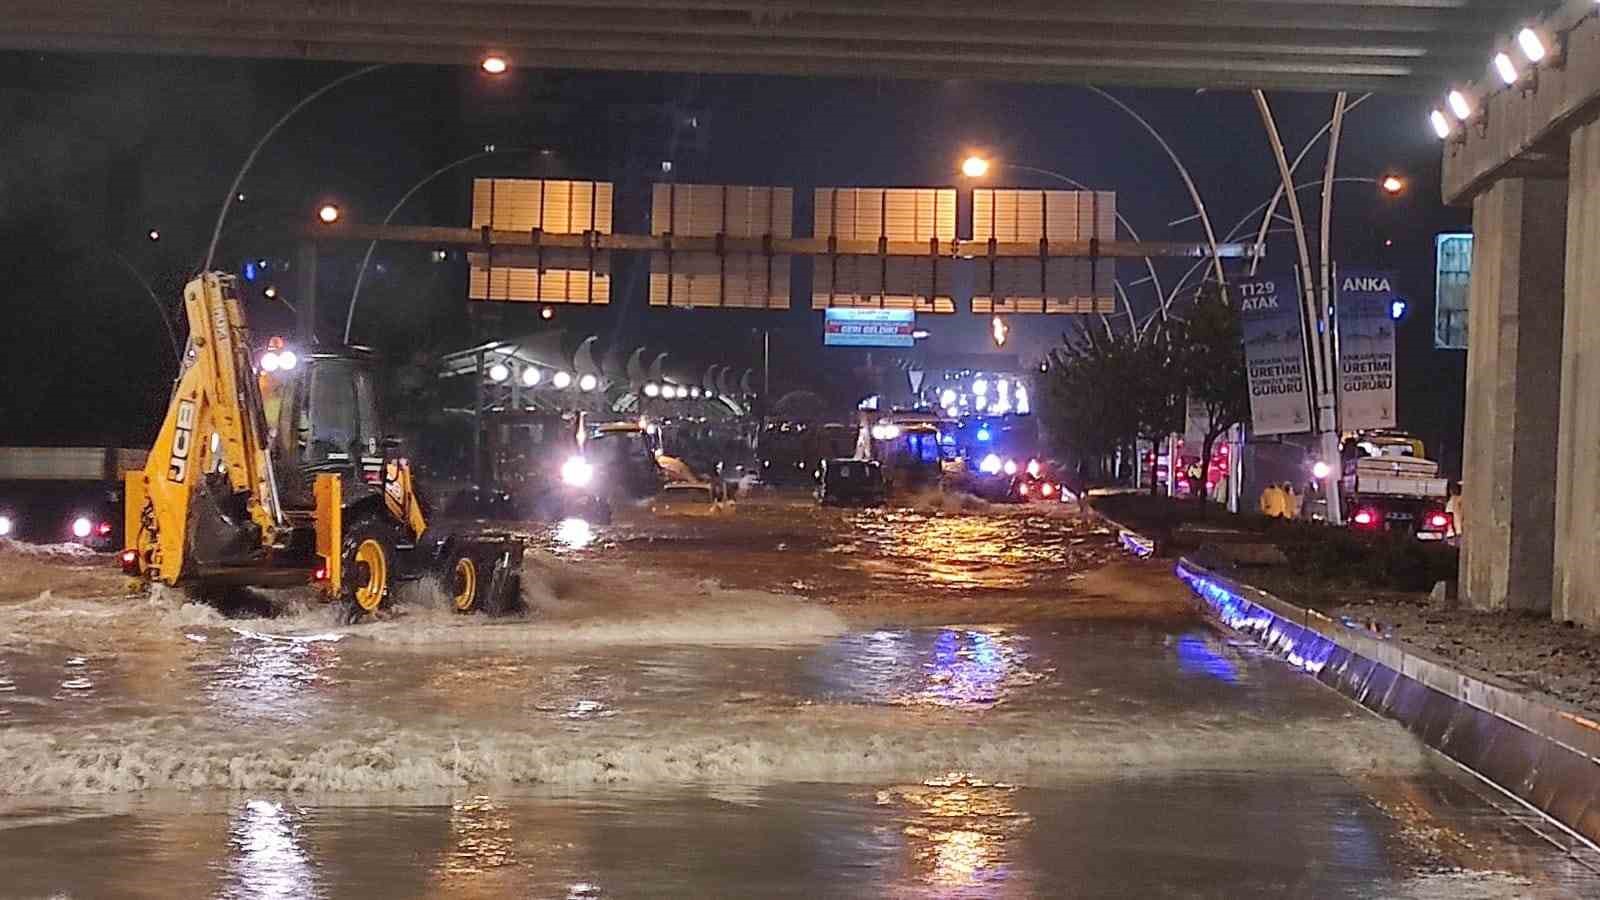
(1577, 499)
(1513, 394)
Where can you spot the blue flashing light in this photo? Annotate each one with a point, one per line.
(983, 435)
(250, 271)
(1397, 309)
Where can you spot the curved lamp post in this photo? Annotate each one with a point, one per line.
(361, 273)
(166, 319)
(1183, 172)
(238, 178)
(492, 63)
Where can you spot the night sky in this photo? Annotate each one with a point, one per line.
(97, 150)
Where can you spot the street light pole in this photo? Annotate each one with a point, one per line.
(361, 273)
(166, 319)
(238, 178)
(1313, 314)
(1183, 172)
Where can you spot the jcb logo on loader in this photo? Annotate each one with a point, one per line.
(182, 443)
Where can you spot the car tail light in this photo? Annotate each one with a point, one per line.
(104, 529)
(1364, 517)
(1439, 520)
(1047, 489)
(320, 573)
(130, 561)
(1022, 489)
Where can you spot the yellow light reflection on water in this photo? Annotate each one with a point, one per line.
(959, 829)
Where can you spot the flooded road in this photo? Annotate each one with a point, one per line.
(787, 702)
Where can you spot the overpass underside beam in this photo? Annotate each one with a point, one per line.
(1390, 45)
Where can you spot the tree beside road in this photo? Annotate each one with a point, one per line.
(1106, 391)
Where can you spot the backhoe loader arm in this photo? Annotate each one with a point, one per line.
(214, 438)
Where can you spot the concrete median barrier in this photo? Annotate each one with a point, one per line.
(1534, 748)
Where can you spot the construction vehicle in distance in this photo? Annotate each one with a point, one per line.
(292, 484)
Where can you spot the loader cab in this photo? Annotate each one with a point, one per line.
(326, 419)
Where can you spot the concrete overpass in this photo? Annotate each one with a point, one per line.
(1528, 162)
(1383, 45)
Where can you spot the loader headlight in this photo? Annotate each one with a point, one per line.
(81, 527)
(6, 526)
(577, 472)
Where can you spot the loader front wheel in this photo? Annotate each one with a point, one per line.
(464, 583)
(369, 565)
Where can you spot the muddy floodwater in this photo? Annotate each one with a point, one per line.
(947, 700)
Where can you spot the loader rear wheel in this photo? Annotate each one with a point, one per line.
(464, 584)
(369, 565)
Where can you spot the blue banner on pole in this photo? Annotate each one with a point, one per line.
(1367, 310)
(1274, 354)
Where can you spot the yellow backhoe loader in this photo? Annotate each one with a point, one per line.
(317, 493)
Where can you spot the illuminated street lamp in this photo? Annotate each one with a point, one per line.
(153, 234)
(494, 64)
(1000, 331)
(1505, 68)
(651, 389)
(499, 372)
(547, 314)
(562, 380)
(975, 167)
(328, 214)
(530, 377)
(1392, 184)
(271, 293)
(1532, 45)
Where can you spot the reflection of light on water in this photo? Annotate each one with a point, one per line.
(268, 860)
(956, 668)
(972, 552)
(1197, 657)
(274, 677)
(575, 534)
(481, 837)
(969, 667)
(958, 828)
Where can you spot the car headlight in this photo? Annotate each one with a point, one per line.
(1033, 468)
(577, 472)
(81, 527)
(1011, 467)
(6, 526)
(990, 465)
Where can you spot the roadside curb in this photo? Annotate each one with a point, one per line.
(1138, 544)
(1543, 752)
